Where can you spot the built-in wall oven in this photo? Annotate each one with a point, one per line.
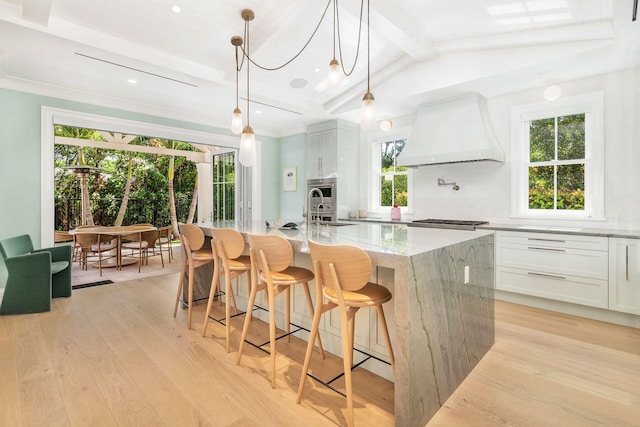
(323, 207)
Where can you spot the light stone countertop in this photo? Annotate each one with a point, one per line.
(375, 237)
(624, 233)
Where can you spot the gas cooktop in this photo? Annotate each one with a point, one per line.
(448, 223)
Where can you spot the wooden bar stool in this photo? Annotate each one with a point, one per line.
(271, 256)
(192, 241)
(227, 246)
(342, 277)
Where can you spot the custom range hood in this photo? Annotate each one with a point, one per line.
(452, 131)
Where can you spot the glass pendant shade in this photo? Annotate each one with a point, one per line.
(334, 72)
(236, 121)
(368, 113)
(247, 147)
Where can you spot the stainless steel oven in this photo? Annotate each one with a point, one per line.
(324, 207)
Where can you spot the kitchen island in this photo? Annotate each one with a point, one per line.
(442, 319)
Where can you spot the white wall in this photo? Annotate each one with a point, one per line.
(485, 188)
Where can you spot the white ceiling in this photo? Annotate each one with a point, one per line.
(421, 50)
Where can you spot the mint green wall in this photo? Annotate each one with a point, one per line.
(292, 154)
(270, 177)
(20, 140)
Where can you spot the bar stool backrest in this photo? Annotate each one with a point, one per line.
(276, 250)
(229, 241)
(351, 264)
(194, 235)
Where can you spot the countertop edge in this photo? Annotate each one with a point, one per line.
(596, 232)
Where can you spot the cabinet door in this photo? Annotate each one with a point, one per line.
(313, 156)
(624, 275)
(321, 154)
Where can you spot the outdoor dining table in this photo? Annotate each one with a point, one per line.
(119, 231)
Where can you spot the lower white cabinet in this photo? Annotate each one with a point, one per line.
(562, 267)
(624, 275)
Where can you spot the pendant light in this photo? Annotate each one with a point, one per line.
(236, 118)
(368, 111)
(247, 139)
(334, 65)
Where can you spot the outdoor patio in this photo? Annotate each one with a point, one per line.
(81, 277)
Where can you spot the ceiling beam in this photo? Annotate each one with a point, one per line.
(194, 156)
(37, 11)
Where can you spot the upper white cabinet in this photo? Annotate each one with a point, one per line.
(332, 151)
(624, 275)
(562, 267)
(322, 154)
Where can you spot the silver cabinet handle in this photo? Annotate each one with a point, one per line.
(546, 249)
(550, 276)
(547, 240)
(627, 262)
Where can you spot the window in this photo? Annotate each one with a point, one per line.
(390, 183)
(557, 154)
(224, 186)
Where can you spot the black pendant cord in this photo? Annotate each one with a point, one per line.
(635, 10)
(262, 67)
(368, 48)
(355, 60)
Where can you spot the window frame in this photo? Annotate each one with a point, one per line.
(373, 199)
(592, 105)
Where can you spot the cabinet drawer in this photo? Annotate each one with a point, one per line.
(552, 240)
(577, 290)
(554, 260)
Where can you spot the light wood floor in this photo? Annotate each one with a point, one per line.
(113, 355)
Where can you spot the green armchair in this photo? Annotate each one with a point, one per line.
(34, 275)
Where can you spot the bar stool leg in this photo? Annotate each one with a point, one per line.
(272, 332)
(307, 357)
(287, 315)
(247, 319)
(181, 281)
(310, 306)
(215, 283)
(347, 350)
(190, 296)
(385, 331)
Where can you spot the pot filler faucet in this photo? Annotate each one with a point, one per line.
(309, 216)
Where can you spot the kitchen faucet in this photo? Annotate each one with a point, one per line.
(309, 216)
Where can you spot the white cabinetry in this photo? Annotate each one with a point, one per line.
(624, 275)
(332, 151)
(562, 267)
(322, 154)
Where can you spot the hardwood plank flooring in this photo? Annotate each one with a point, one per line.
(114, 356)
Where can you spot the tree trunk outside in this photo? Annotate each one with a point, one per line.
(194, 202)
(172, 200)
(87, 215)
(125, 197)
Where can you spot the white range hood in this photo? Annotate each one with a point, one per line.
(452, 131)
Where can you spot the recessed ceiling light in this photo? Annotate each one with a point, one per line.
(132, 81)
(176, 9)
(258, 111)
(316, 70)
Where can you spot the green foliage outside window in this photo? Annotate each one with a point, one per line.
(557, 163)
(394, 180)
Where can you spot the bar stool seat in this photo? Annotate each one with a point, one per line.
(342, 277)
(292, 275)
(272, 272)
(227, 246)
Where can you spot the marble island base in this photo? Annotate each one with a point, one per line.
(441, 320)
